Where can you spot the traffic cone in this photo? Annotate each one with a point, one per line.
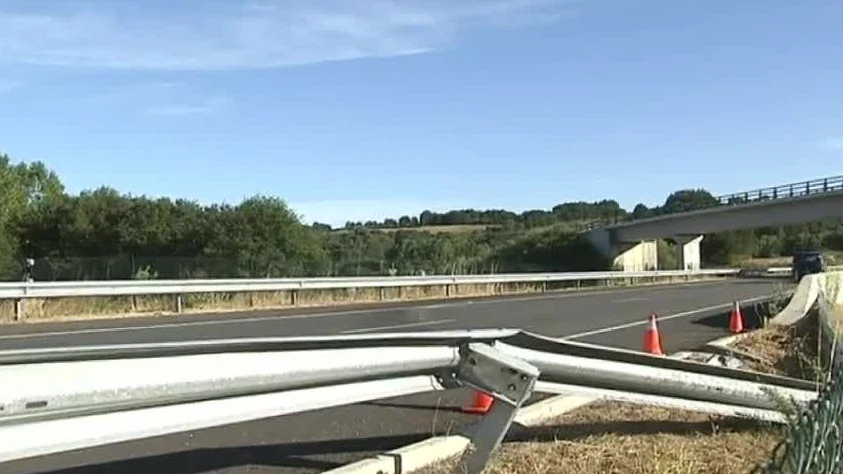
(736, 319)
(482, 403)
(652, 338)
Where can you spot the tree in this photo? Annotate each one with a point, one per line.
(688, 200)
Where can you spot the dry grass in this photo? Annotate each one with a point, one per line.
(619, 438)
(785, 350)
(763, 263)
(612, 438)
(56, 309)
(834, 258)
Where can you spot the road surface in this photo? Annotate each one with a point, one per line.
(690, 315)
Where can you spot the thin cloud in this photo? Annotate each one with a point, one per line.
(835, 143)
(7, 86)
(253, 35)
(203, 108)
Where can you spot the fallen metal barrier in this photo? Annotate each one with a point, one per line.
(60, 399)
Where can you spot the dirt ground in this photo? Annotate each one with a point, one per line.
(616, 438)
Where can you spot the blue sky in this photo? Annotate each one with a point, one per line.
(358, 109)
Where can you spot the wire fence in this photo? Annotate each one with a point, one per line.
(814, 440)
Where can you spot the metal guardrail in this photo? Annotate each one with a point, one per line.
(73, 398)
(25, 290)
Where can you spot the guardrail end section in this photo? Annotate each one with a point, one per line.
(510, 381)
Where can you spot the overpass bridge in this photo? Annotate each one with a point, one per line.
(631, 242)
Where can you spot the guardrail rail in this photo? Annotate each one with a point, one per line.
(21, 291)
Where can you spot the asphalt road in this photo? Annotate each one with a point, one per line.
(690, 315)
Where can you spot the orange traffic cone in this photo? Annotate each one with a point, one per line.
(482, 403)
(736, 319)
(652, 338)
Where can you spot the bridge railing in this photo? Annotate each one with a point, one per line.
(61, 399)
(786, 191)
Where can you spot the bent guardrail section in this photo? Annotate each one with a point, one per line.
(70, 398)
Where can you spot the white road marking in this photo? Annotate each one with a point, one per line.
(399, 326)
(662, 318)
(218, 322)
(629, 300)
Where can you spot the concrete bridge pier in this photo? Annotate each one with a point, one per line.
(688, 251)
(626, 256)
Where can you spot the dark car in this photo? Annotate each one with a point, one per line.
(806, 263)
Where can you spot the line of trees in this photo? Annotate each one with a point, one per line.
(102, 234)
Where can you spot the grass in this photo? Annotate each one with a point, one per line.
(620, 438)
(56, 309)
(784, 350)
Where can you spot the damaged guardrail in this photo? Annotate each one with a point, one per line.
(59, 399)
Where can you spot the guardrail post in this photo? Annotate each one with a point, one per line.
(382, 293)
(20, 307)
(294, 297)
(825, 185)
(447, 291)
(510, 381)
(544, 287)
(179, 303)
